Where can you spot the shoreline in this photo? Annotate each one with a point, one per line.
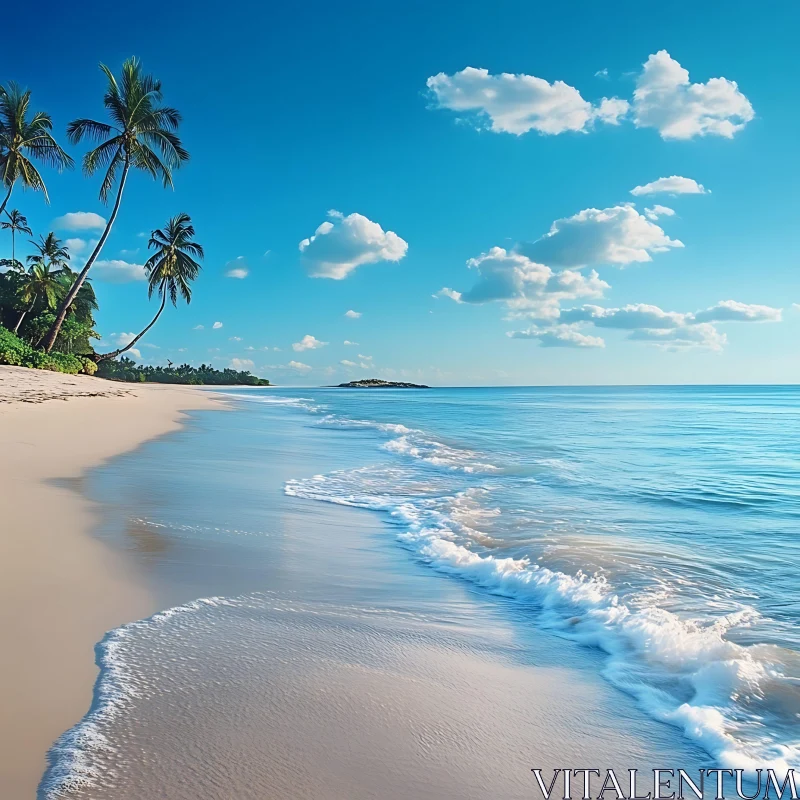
(61, 590)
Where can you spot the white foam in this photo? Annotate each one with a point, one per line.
(71, 760)
(682, 671)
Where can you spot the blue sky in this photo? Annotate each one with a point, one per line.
(365, 109)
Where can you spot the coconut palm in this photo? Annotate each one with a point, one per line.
(170, 270)
(40, 281)
(84, 302)
(52, 252)
(142, 135)
(22, 139)
(16, 222)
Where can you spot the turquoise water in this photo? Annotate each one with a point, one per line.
(659, 525)
(651, 531)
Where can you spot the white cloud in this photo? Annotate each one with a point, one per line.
(234, 338)
(216, 326)
(365, 358)
(124, 253)
(241, 364)
(525, 285)
(237, 268)
(630, 317)
(559, 336)
(675, 184)
(509, 103)
(340, 246)
(121, 339)
(618, 235)
(704, 336)
(658, 211)
(352, 314)
(198, 328)
(118, 271)
(350, 344)
(601, 73)
(733, 311)
(308, 342)
(671, 329)
(299, 366)
(346, 363)
(76, 245)
(666, 100)
(151, 346)
(133, 352)
(80, 221)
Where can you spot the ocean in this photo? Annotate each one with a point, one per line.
(313, 547)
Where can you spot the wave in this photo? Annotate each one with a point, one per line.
(70, 761)
(684, 672)
(416, 444)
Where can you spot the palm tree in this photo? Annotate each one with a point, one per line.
(170, 270)
(85, 301)
(143, 135)
(52, 252)
(16, 222)
(22, 139)
(38, 281)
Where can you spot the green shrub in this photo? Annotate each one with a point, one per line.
(17, 353)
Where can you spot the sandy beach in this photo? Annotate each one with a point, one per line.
(60, 589)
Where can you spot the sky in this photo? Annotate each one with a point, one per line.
(453, 193)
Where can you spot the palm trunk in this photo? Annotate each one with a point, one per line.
(106, 356)
(8, 194)
(75, 288)
(22, 315)
(13, 248)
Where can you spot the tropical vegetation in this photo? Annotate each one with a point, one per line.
(126, 370)
(48, 301)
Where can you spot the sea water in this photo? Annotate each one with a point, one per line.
(653, 530)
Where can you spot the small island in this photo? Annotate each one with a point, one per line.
(375, 383)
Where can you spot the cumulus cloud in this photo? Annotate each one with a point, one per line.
(350, 344)
(352, 314)
(308, 342)
(216, 326)
(518, 103)
(669, 329)
(675, 184)
(299, 366)
(80, 221)
(619, 235)
(241, 364)
(347, 363)
(630, 317)
(559, 336)
(658, 211)
(343, 243)
(121, 339)
(237, 268)
(75, 245)
(703, 336)
(234, 338)
(525, 285)
(118, 271)
(665, 99)
(733, 311)
(133, 351)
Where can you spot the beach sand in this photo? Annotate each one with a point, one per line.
(60, 589)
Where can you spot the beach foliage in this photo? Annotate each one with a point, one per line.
(47, 301)
(125, 369)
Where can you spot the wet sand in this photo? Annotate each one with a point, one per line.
(61, 589)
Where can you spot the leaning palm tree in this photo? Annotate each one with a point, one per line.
(16, 222)
(23, 139)
(38, 281)
(170, 270)
(142, 135)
